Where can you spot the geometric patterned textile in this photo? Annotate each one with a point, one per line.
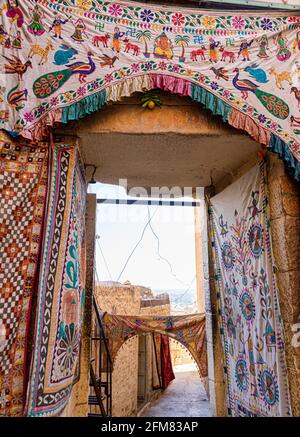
(60, 300)
(23, 182)
(64, 59)
(251, 326)
(188, 330)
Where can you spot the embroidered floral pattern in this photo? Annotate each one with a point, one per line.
(227, 54)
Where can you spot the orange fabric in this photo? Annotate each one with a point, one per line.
(244, 122)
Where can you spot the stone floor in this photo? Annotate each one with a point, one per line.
(185, 396)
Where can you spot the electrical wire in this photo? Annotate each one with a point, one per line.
(158, 252)
(101, 251)
(163, 258)
(186, 291)
(137, 244)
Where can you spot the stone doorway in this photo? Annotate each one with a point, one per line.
(187, 135)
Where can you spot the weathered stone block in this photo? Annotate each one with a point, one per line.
(221, 408)
(289, 186)
(286, 242)
(289, 285)
(291, 204)
(276, 167)
(275, 199)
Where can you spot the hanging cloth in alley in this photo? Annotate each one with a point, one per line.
(60, 300)
(63, 60)
(23, 187)
(162, 369)
(166, 363)
(257, 383)
(188, 330)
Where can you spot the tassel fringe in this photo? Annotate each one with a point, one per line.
(85, 106)
(278, 146)
(174, 85)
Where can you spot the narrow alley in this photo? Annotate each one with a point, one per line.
(185, 396)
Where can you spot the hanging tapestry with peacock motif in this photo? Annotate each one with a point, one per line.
(250, 320)
(60, 299)
(64, 59)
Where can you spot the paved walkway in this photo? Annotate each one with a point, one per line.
(185, 396)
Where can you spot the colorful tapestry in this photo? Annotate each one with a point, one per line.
(166, 362)
(64, 59)
(188, 330)
(60, 299)
(23, 179)
(162, 369)
(156, 367)
(250, 319)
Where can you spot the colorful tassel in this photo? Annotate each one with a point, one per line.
(174, 85)
(210, 101)
(85, 106)
(278, 146)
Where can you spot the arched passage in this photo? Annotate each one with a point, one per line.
(145, 378)
(185, 396)
(188, 330)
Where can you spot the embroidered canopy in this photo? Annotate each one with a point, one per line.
(65, 59)
(188, 330)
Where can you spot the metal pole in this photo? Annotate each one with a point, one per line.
(148, 202)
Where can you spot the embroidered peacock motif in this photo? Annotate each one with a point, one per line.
(275, 105)
(47, 84)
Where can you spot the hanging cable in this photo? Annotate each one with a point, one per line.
(137, 244)
(186, 291)
(163, 258)
(158, 252)
(101, 251)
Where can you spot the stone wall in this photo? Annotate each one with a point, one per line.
(179, 354)
(122, 300)
(126, 299)
(284, 195)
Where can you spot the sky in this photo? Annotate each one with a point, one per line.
(119, 228)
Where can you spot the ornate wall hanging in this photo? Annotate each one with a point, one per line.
(60, 298)
(257, 383)
(23, 189)
(65, 59)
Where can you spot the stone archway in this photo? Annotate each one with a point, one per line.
(34, 118)
(214, 346)
(188, 330)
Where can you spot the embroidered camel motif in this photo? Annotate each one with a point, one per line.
(281, 77)
(43, 52)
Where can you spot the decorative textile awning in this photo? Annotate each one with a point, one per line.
(188, 330)
(65, 59)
